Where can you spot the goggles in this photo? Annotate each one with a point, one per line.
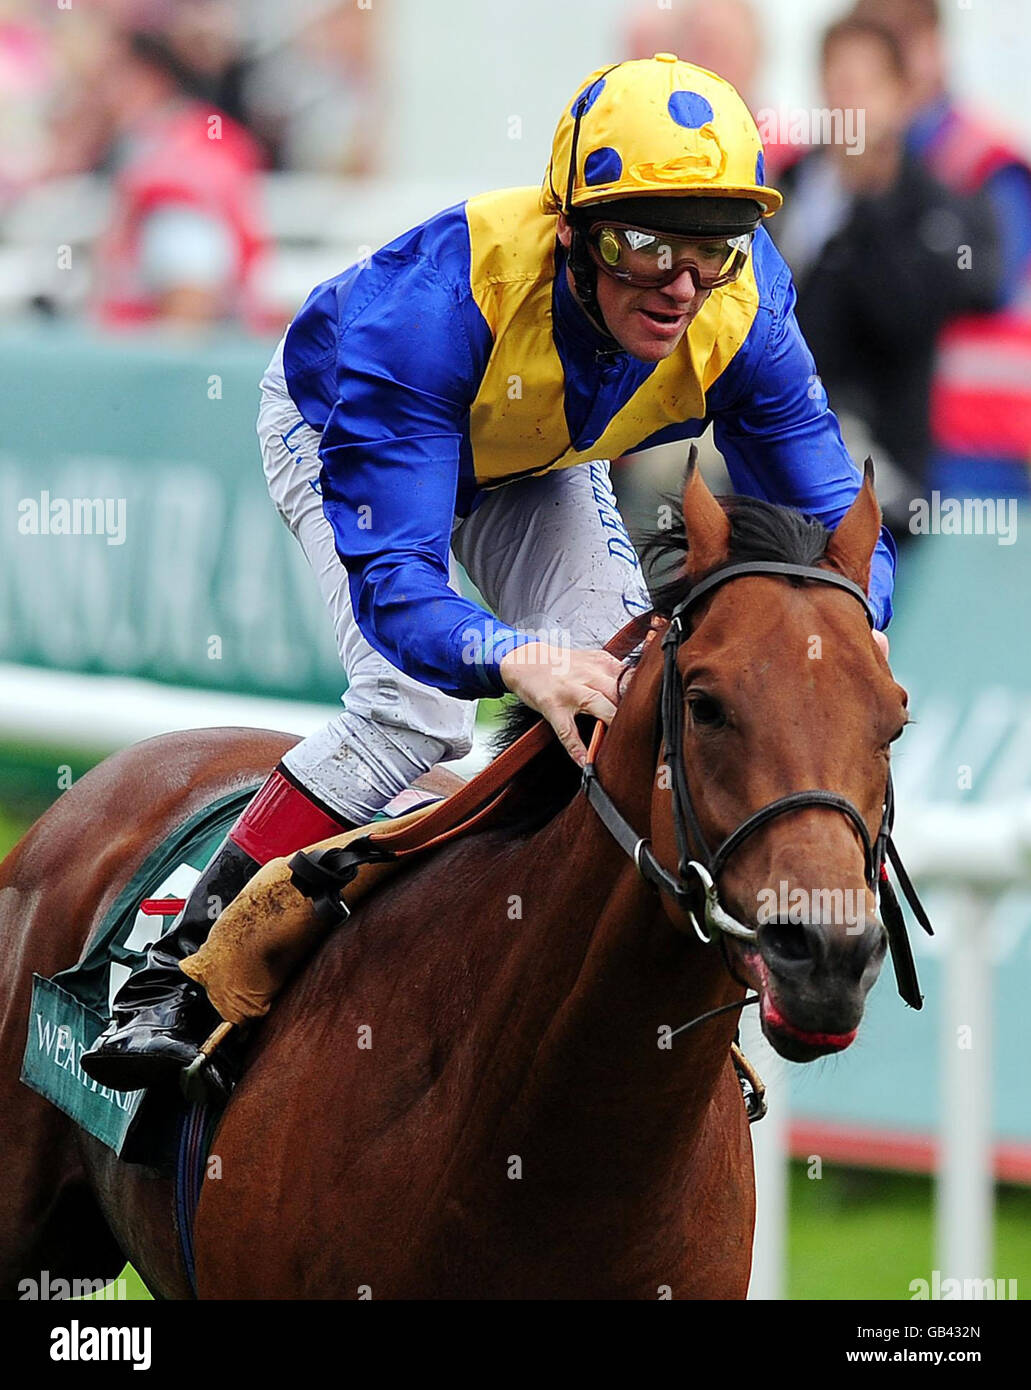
(649, 260)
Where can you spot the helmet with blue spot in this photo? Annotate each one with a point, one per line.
(660, 145)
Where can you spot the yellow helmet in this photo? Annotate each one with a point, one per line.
(655, 126)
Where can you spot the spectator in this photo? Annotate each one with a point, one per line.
(724, 38)
(27, 70)
(315, 99)
(981, 402)
(186, 241)
(205, 35)
(875, 246)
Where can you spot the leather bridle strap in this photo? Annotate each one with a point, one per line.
(321, 873)
(686, 823)
(465, 808)
(632, 844)
(772, 567)
(796, 801)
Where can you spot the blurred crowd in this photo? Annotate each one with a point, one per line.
(909, 238)
(298, 78)
(909, 233)
(182, 105)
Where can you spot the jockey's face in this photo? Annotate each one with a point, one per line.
(647, 323)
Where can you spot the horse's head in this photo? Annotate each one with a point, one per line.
(781, 690)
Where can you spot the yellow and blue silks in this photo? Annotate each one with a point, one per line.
(457, 359)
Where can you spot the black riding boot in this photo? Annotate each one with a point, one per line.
(160, 1016)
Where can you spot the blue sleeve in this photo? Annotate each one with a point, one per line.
(773, 425)
(406, 371)
(1009, 190)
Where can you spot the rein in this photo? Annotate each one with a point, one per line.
(705, 864)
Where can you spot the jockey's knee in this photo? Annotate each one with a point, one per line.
(408, 712)
(357, 763)
(452, 735)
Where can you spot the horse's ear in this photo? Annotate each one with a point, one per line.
(851, 546)
(705, 522)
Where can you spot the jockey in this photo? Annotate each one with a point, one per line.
(457, 396)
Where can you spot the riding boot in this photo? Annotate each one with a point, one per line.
(160, 1017)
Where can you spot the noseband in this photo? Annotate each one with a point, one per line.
(706, 865)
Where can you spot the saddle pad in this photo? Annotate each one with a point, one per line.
(71, 1009)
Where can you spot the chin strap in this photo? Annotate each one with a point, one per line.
(585, 279)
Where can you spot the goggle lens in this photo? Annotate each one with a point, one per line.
(642, 258)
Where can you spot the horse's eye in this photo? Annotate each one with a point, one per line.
(706, 711)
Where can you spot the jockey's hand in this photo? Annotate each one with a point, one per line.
(881, 638)
(562, 682)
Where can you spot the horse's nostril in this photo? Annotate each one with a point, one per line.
(785, 942)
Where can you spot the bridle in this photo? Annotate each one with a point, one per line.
(706, 865)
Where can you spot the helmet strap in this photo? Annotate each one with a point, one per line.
(585, 278)
(582, 268)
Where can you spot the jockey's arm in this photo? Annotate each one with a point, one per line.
(393, 379)
(393, 413)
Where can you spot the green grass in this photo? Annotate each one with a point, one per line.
(13, 826)
(852, 1233)
(135, 1289)
(860, 1234)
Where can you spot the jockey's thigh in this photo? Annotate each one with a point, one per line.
(392, 727)
(552, 555)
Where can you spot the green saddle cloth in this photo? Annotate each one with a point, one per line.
(72, 1008)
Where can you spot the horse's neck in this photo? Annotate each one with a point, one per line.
(624, 978)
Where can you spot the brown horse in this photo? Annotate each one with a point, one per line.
(519, 1126)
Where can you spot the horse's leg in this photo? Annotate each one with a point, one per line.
(54, 885)
(58, 1189)
(62, 1195)
(138, 1206)
(49, 1218)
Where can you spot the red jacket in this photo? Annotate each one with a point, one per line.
(195, 157)
(981, 399)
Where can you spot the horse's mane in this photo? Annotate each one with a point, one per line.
(758, 531)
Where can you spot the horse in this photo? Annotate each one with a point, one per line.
(475, 1088)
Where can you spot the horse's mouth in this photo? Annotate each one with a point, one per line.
(786, 1037)
(798, 1044)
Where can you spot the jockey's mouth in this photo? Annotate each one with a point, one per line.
(665, 316)
(665, 319)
